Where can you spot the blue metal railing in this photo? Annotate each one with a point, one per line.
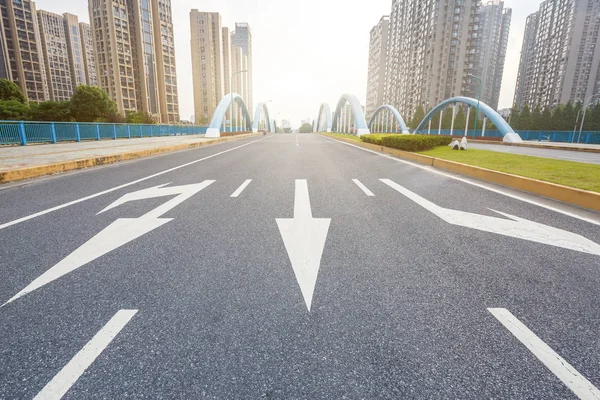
(587, 137)
(23, 132)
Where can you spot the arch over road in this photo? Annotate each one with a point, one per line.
(259, 109)
(323, 109)
(509, 135)
(359, 117)
(214, 129)
(396, 115)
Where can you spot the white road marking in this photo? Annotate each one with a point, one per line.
(59, 207)
(120, 232)
(304, 238)
(241, 188)
(514, 227)
(472, 183)
(66, 377)
(555, 363)
(363, 187)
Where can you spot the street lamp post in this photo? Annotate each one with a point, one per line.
(478, 100)
(585, 106)
(231, 105)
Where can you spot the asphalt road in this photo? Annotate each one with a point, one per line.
(177, 290)
(569, 155)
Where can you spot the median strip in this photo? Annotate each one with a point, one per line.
(570, 195)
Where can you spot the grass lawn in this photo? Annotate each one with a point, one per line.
(341, 135)
(568, 173)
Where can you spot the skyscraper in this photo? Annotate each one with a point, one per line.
(21, 54)
(56, 55)
(135, 55)
(434, 45)
(378, 46)
(227, 70)
(242, 38)
(207, 63)
(560, 59)
(87, 50)
(75, 48)
(494, 26)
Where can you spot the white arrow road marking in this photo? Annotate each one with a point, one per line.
(555, 363)
(241, 188)
(120, 232)
(514, 227)
(66, 377)
(304, 238)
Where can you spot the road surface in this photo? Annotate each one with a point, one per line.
(569, 155)
(293, 266)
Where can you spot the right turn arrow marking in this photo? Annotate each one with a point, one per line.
(304, 238)
(514, 227)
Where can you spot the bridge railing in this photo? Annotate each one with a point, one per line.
(587, 137)
(23, 132)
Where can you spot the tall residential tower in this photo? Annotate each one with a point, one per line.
(378, 46)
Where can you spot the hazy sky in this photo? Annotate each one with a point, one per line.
(305, 52)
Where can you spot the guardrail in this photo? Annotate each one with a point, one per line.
(23, 132)
(588, 137)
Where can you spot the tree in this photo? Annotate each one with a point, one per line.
(446, 118)
(570, 114)
(525, 118)
(59, 111)
(90, 103)
(306, 128)
(460, 120)
(140, 117)
(546, 121)
(515, 118)
(13, 110)
(418, 116)
(536, 118)
(11, 91)
(558, 119)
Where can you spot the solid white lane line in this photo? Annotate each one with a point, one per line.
(363, 187)
(555, 363)
(241, 188)
(66, 377)
(49, 210)
(479, 185)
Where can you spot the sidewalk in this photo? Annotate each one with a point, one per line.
(591, 148)
(24, 162)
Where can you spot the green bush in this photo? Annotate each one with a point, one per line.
(408, 142)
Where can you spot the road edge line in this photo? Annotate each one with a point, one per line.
(577, 197)
(20, 174)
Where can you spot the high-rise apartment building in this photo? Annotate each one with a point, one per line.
(56, 55)
(164, 40)
(377, 63)
(434, 45)
(242, 38)
(207, 63)
(494, 27)
(75, 49)
(227, 71)
(560, 58)
(87, 51)
(135, 55)
(21, 54)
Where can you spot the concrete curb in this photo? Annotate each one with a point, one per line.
(565, 194)
(56, 168)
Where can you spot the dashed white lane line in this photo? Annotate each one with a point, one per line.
(555, 363)
(241, 188)
(363, 187)
(66, 377)
(59, 207)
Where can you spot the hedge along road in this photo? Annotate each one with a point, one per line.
(296, 267)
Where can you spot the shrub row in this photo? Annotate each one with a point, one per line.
(408, 142)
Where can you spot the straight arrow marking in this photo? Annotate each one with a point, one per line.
(304, 239)
(514, 227)
(118, 233)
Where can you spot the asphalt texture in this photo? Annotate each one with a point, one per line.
(399, 308)
(568, 155)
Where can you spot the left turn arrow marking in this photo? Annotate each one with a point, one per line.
(118, 233)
